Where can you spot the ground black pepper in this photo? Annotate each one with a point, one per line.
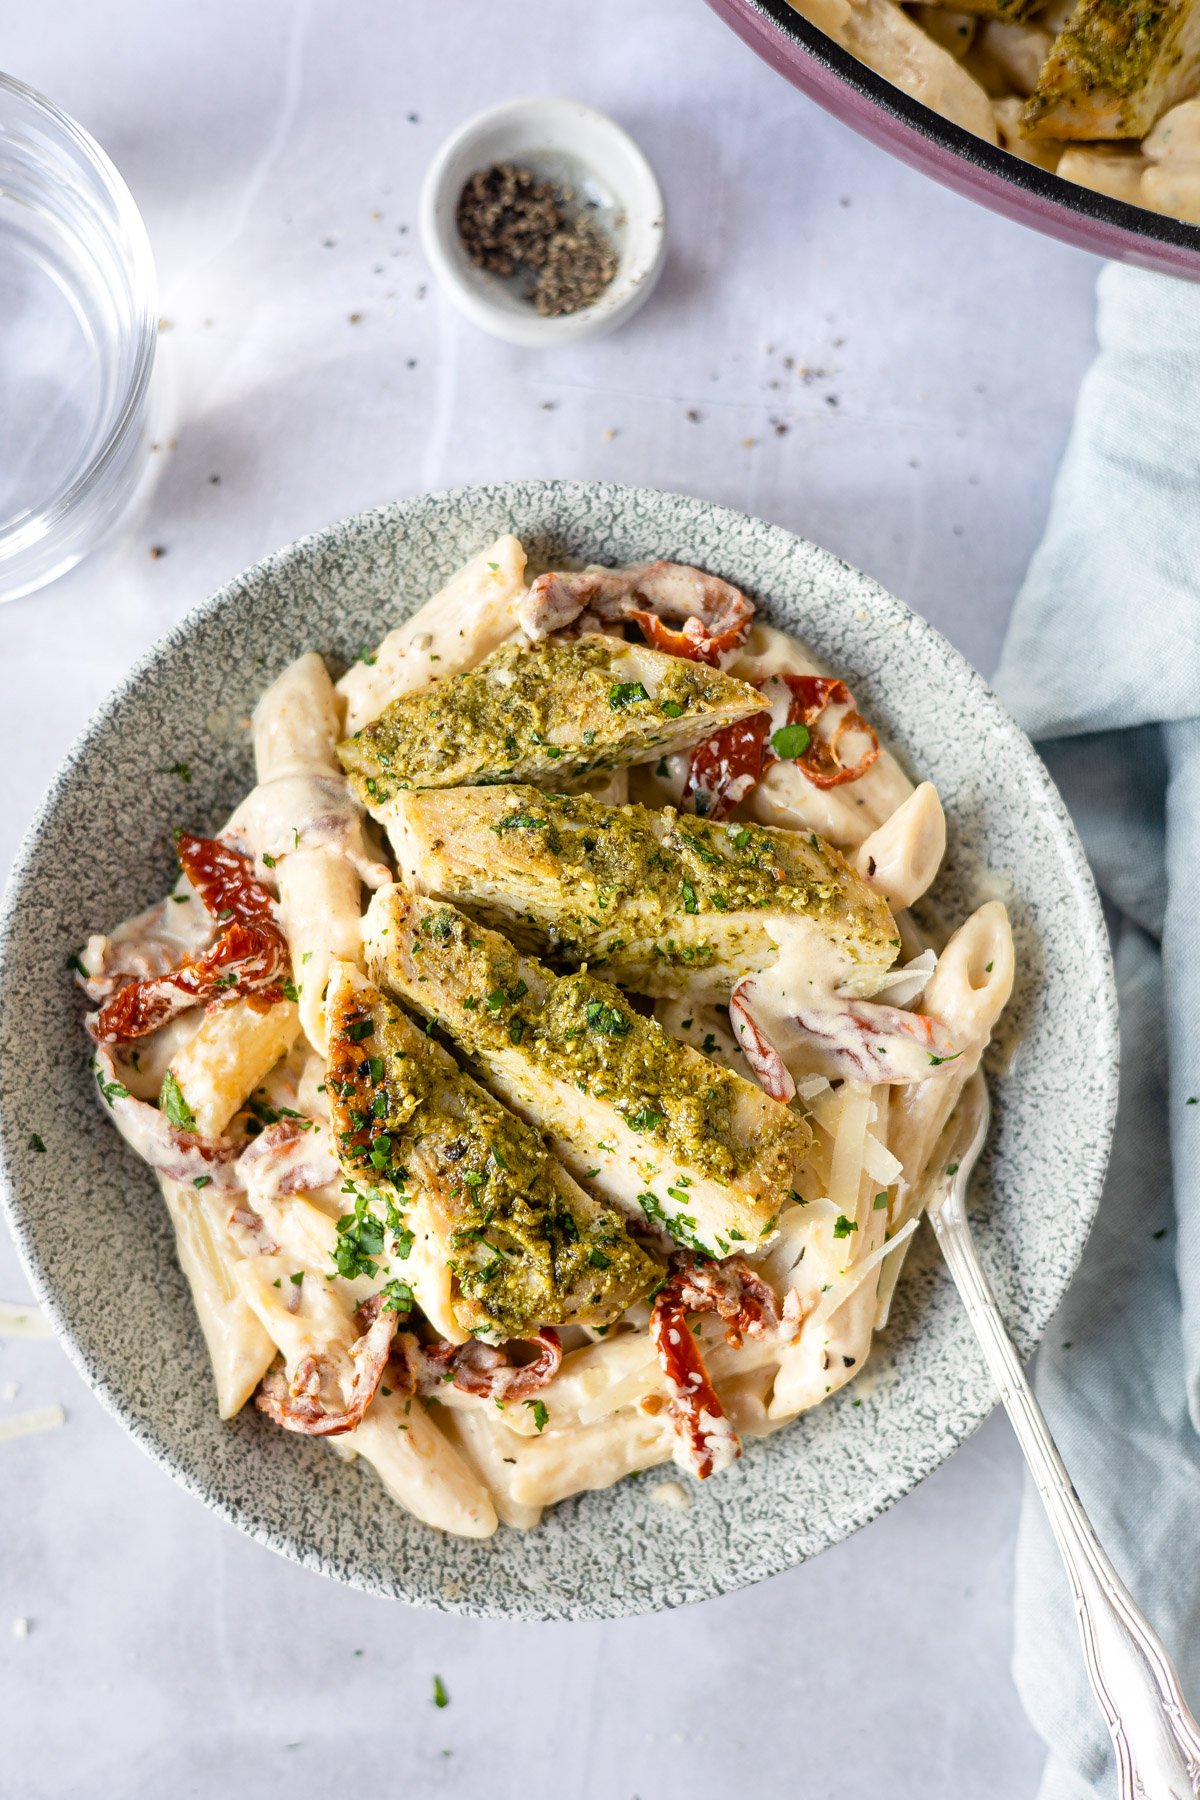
(512, 223)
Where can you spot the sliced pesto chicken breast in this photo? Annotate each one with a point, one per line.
(555, 712)
(467, 1193)
(665, 902)
(648, 1122)
(1115, 67)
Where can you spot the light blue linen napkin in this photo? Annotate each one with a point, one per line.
(1102, 667)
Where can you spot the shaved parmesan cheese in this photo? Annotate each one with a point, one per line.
(879, 1162)
(899, 987)
(641, 1380)
(18, 1319)
(842, 1290)
(42, 1418)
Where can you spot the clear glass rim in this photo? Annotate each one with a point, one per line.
(143, 288)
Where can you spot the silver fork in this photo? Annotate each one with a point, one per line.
(1156, 1739)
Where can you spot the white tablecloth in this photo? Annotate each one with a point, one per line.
(837, 345)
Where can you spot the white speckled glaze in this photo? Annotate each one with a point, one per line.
(95, 1237)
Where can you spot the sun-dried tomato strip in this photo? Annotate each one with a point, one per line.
(692, 1407)
(693, 640)
(731, 1289)
(249, 957)
(726, 766)
(774, 1076)
(747, 1305)
(222, 877)
(811, 695)
(484, 1369)
(298, 1405)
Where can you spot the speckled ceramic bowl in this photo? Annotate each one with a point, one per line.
(96, 1240)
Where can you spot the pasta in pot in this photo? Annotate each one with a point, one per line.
(1106, 94)
(585, 1127)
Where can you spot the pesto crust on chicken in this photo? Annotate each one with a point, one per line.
(554, 712)
(664, 902)
(524, 1245)
(1114, 68)
(648, 1122)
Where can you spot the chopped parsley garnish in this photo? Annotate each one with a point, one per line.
(397, 1297)
(367, 656)
(649, 1204)
(362, 1028)
(690, 903)
(519, 821)
(182, 769)
(598, 1260)
(516, 1029)
(360, 1241)
(790, 741)
(440, 1696)
(269, 860)
(844, 1226)
(35, 1143)
(647, 1119)
(290, 991)
(112, 1090)
(202, 1181)
(172, 1102)
(671, 709)
(541, 1417)
(880, 1202)
(700, 848)
(608, 1021)
(938, 1060)
(297, 1280)
(624, 693)
(73, 962)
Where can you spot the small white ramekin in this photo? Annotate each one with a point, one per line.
(574, 145)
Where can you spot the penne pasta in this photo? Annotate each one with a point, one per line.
(240, 1350)
(463, 623)
(222, 1063)
(422, 1469)
(901, 858)
(304, 825)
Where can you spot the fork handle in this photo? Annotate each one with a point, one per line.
(1155, 1737)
